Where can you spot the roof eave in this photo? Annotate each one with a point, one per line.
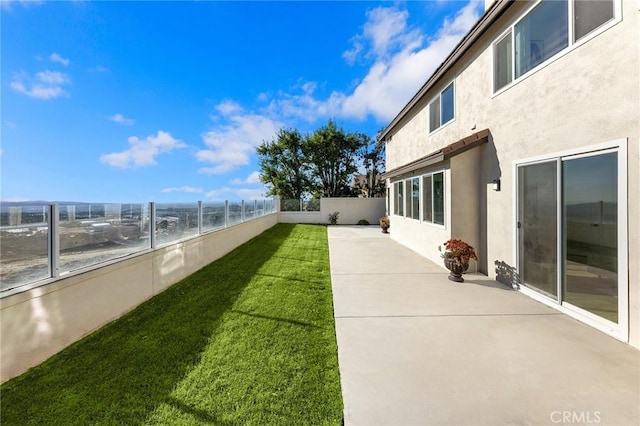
(472, 141)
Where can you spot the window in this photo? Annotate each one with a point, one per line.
(540, 35)
(502, 61)
(433, 198)
(589, 15)
(441, 109)
(398, 205)
(544, 32)
(413, 202)
(412, 206)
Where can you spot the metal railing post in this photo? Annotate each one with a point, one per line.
(226, 213)
(54, 241)
(255, 208)
(152, 224)
(242, 211)
(199, 217)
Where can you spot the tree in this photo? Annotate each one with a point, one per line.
(332, 153)
(372, 156)
(285, 169)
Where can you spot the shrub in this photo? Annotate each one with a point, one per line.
(333, 218)
(363, 222)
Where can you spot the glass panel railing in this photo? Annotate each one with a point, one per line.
(175, 221)
(24, 236)
(260, 208)
(212, 216)
(311, 205)
(87, 234)
(235, 212)
(249, 209)
(290, 205)
(95, 233)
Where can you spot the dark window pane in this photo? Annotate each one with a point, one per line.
(415, 198)
(538, 218)
(590, 14)
(502, 69)
(434, 114)
(438, 198)
(428, 199)
(447, 109)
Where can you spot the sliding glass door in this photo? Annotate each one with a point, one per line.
(590, 233)
(573, 200)
(538, 226)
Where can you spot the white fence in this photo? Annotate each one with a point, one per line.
(351, 210)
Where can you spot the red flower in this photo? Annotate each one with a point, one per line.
(460, 251)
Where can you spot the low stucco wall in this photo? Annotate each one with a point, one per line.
(352, 210)
(40, 322)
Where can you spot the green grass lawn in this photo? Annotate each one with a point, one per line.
(249, 339)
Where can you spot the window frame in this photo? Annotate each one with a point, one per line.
(423, 188)
(438, 99)
(572, 43)
(398, 201)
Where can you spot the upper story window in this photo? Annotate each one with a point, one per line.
(547, 29)
(441, 109)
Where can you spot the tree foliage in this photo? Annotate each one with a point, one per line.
(332, 154)
(320, 164)
(284, 168)
(373, 161)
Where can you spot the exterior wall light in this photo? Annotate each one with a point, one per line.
(496, 184)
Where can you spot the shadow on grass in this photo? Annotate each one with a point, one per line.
(287, 320)
(122, 372)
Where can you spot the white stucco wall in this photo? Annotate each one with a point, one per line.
(352, 210)
(588, 95)
(42, 321)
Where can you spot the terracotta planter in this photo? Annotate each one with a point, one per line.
(385, 229)
(456, 269)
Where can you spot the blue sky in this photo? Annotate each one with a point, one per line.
(166, 101)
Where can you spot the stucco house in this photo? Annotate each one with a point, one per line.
(524, 143)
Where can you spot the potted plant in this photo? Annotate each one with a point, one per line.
(385, 224)
(456, 258)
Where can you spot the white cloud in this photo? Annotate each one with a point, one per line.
(55, 57)
(121, 119)
(402, 58)
(230, 145)
(10, 124)
(44, 85)
(99, 68)
(142, 152)
(228, 108)
(385, 29)
(253, 178)
(402, 61)
(6, 4)
(237, 194)
(186, 189)
(51, 77)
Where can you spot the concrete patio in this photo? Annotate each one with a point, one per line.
(417, 349)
